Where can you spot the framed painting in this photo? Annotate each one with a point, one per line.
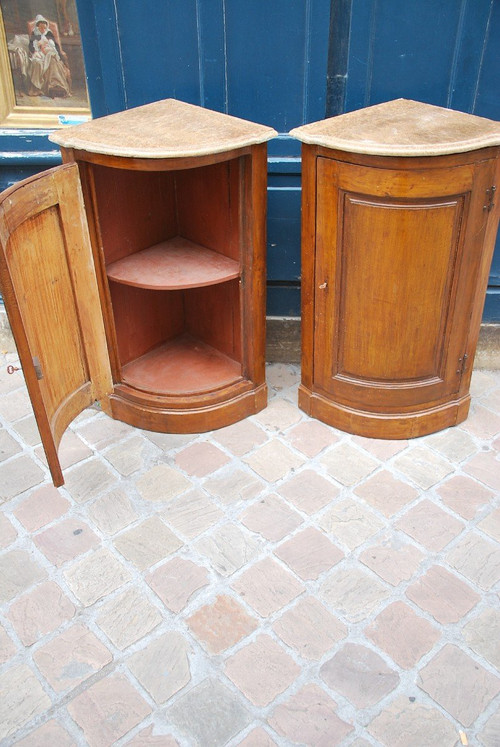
(42, 73)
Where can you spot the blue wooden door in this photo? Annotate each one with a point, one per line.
(288, 62)
(445, 53)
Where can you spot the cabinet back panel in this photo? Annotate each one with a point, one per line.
(144, 319)
(208, 206)
(136, 209)
(213, 315)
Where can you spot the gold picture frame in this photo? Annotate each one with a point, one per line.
(42, 73)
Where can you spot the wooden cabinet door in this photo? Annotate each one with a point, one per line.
(49, 287)
(397, 265)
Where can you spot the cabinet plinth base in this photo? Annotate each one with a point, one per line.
(397, 425)
(189, 419)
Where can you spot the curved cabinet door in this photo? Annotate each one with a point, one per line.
(48, 282)
(398, 264)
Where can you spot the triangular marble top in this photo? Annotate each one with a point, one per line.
(402, 128)
(164, 129)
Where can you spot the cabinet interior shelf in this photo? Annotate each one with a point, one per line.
(182, 365)
(172, 265)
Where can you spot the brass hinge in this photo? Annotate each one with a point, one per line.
(490, 197)
(38, 368)
(462, 362)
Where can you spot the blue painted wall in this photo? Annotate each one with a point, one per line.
(283, 63)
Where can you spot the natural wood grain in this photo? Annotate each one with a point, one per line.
(51, 297)
(184, 366)
(173, 264)
(396, 252)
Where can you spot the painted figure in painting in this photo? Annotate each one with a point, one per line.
(49, 73)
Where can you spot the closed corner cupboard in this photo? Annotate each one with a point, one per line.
(134, 274)
(400, 215)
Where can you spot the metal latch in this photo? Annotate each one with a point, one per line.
(38, 368)
(490, 196)
(462, 362)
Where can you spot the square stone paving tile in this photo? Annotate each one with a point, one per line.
(443, 595)
(411, 724)
(201, 459)
(485, 467)
(41, 507)
(66, 540)
(128, 617)
(107, 710)
(8, 445)
(71, 657)
(360, 674)
(348, 464)
(233, 486)
(482, 635)
(262, 670)
(112, 512)
(464, 495)
(392, 559)
(95, 576)
(401, 633)
(8, 533)
(220, 625)
(17, 475)
(308, 491)
(162, 666)
(23, 698)
(240, 438)
(87, 480)
(309, 553)
(18, 571)
(147, 543)
(352, 593)
(267, 587)
(309, 628)
(430, 525)
(209, 714)
(385, 493)
(309, 717)
(271, 517)
(162, 483)
(40, 611)
(459, 684)
(176, 581)
(7, 646)
(478, 559)
(51, 734)
(278, 416)
(192, 513)
(350, 523)
(491, 524)
(423, 466)
(229, 548)
(311, 437)
(274, 460)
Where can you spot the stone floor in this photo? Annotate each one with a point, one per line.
(276, 582)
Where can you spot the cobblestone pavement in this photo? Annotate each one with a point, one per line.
(276, 582)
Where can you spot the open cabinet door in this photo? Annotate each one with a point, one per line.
(48, 282)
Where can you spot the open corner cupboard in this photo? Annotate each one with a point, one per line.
(134, 274)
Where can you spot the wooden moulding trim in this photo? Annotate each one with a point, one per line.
(152, 164)
(190, 420)
(198, 401)
(384, 426)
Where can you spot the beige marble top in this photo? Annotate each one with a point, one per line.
(164, 129)
(402, 128)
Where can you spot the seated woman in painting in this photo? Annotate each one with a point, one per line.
(48, 72)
